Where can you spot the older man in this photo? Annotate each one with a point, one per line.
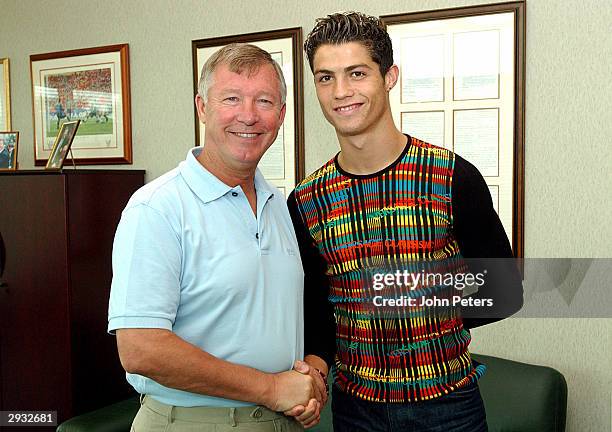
(207, 287)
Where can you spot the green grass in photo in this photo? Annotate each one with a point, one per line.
(88, 128)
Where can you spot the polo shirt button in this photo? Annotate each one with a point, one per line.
(234, 193)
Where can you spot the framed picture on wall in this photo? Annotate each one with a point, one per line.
(462, 87)
(62, 144)
(9, 143)
(5, 95)
(91, 85)
(283, 163)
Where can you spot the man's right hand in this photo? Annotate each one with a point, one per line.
(309, 415)
(289, 389)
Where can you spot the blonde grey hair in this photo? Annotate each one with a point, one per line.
(239, 57)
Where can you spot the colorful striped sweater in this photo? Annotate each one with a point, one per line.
(352, 228)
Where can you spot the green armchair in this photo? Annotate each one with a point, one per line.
(522, 397)
(518, 397)
(117, 417)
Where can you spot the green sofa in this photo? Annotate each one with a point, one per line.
(518, 397)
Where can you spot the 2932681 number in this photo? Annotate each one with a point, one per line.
(28, 418)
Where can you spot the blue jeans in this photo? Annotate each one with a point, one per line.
(459, 411)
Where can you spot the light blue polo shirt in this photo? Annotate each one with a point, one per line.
(189, 256)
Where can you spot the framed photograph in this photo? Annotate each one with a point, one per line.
(9, 142)
(5, 96)
(283, 163)
(62, 144)
(91, 85)
(462, 86)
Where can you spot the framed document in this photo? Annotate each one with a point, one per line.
(462, 86)
(91, 85)
(283, 163)
(427, 125)
(476, 65)
(5, 96)
(422, 78)
(476, 138)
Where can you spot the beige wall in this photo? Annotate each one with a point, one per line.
(568, 130)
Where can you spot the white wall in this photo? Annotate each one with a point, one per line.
(568, 129)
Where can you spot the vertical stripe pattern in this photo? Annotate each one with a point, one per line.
(397, 220)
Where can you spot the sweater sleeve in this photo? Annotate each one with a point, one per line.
(483, 243)
(319, 321)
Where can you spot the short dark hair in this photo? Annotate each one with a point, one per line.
(347, 27)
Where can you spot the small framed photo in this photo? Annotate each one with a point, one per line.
(8, 150)
(91, 85)
(62, 144)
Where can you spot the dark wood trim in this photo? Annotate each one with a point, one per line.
(518, 8)
(58, 236)
(77, 52)
(452, 12)
(71, 171)
(195, 44)
(298, 95)
(518, 240)
(127, 104)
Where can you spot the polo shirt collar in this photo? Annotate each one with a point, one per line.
(263, 188)
(208, 187)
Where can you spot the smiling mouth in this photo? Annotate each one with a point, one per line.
(347, 108)
(245, 134)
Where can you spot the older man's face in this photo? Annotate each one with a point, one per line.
(242, 115)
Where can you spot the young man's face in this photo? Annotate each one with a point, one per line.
(352, 93)
(242, 115)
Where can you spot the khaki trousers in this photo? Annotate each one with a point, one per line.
(154, 416)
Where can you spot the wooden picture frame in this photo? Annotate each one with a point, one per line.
(469, 64)
(5, 95)
(9, 145)
(283, 163)
(91, 85)
(62, 144)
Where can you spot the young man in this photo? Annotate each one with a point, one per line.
(387, 207)
(206, 298)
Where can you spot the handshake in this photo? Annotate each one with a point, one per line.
(299, 393)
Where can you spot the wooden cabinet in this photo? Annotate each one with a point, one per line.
(58, 231)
